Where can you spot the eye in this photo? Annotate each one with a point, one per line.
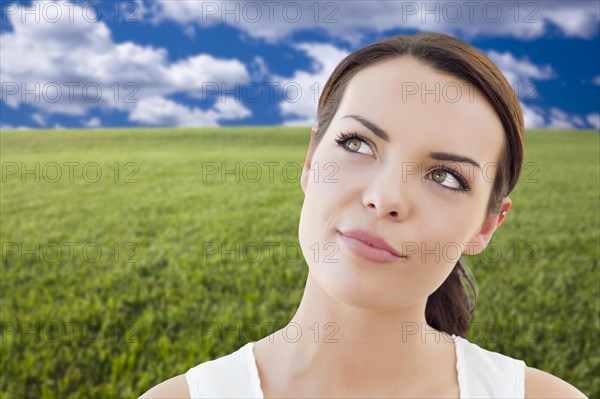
(451, 177)
(351, 142)
(454, 181)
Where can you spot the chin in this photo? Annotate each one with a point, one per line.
(352, 285)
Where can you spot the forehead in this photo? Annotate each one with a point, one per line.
(416, 104)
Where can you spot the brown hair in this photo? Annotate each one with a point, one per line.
(448, 308)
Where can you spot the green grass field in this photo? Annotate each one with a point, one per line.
(123, 292)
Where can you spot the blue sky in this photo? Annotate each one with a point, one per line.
(230, 63)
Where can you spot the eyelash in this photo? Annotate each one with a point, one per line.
(343, 138)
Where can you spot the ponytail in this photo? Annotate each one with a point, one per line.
(448, 309)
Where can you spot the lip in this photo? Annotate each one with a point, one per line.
(370, 246)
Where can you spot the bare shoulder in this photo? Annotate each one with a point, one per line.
(175, 387)
(540, 384)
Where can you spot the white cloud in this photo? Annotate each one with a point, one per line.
(92, 122)
(164, 112)
(132, 12)
(195, 72)
(299, 122)
(304, 88)
(519, 70)
(520, 73)
(259, 69)
(596, 80)
(39, 119)
(559, 119)
(594, 120)
(350, 20)
(574, 18)
(538, 118)
(11, 127)
(73, 65)
(533, 117)
(230, 108)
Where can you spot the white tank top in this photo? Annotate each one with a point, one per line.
(481, 374)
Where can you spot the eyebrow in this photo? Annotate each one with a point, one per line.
(439, 156)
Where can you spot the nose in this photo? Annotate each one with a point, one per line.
(387, 195)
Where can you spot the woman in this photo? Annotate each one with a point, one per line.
(424, 136)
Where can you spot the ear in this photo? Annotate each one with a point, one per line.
(481, 239)
(308, 161)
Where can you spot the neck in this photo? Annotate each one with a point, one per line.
(336, 344)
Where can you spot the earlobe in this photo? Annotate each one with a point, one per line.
(481, 239)
(305, 173)
(308, 161)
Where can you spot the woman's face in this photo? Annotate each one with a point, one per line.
(395, 189)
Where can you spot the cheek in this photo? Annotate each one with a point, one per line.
(441, 223)
(321, 200)
(332, 183)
